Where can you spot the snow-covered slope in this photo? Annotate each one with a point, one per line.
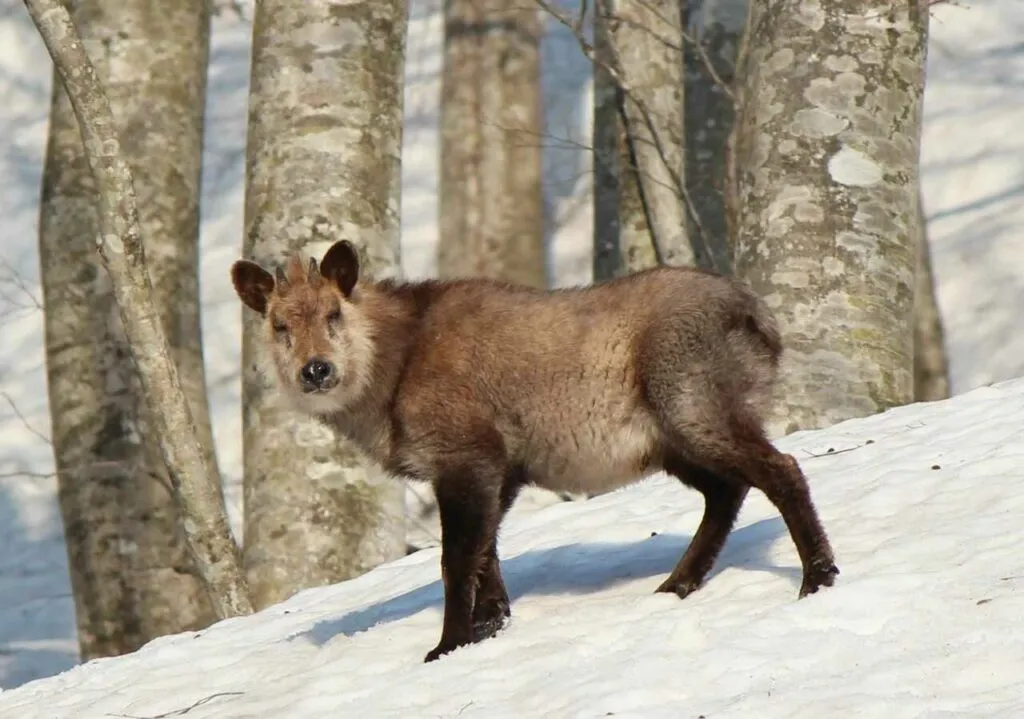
(924, 507)
(973, 179)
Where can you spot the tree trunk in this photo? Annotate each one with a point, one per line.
(641, 47)
(491, 201)
(323, 164)
(622, 238)
(826, 153)
(131, 574)
(104, 460)
(931, 369)
(710, 71)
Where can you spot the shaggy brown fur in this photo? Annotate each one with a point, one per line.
(480, 387)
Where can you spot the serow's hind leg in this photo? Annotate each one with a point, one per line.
(722, 502)
(739, 451)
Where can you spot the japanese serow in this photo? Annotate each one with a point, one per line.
(480, 387)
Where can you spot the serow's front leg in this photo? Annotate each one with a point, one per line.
(468, 502)
(492, 609)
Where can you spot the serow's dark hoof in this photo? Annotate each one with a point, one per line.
(682, 588)
(817, 576)
(487, 628)
(440, 650)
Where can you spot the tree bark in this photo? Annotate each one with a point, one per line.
(323, 164)
(491, 201)
(826, 155)
(642, 49)
(622, 238)
(111, 461)
(710, 71)
(931, 368)
(132, 577)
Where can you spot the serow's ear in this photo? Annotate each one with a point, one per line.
(340, 265)
(253, 284)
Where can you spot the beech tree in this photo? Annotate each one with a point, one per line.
(931, 367)
(639, 141)
(826, 171)
(323, 164)
(131, 574)
(622, 238)
(491, 202)
(121, 247)
(714, 33)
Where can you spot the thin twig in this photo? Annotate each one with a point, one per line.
(687, 38)
(24, 421)
(17, 281)
(183, 711)
(680, 187)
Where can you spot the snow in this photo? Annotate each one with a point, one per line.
(906, 634)
(922, 504)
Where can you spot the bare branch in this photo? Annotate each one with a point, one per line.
(15, 279)
(677, 183)
(24, 421)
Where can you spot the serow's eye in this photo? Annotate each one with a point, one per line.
(280, 329)
(334, 316)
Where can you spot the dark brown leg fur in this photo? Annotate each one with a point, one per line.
(493, 608)
(722, 502)
(740, 451)
(468, 499)
(793, 498)
(708, 425)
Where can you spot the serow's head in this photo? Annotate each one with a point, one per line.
(315, 330)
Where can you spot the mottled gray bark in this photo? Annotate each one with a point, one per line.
(710, 69)
(622, 239)
(131, 574)
(323, 164)
(643, 43)
(826, 157)
(931, 367)
(491, 201)
(107, 457)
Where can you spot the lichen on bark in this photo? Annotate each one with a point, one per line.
(325, 133)
(826, 162)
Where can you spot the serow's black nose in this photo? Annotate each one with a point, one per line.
(316, 372)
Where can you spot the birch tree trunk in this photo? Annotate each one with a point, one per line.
(323, 164)
(827, 160)
(114, 425)
(710, 71)
(131, 574)
(931, 368)
(491, 201)
(641, 47)
(622, 239)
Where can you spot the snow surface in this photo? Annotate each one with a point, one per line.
(923, 506)
(973, 183)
